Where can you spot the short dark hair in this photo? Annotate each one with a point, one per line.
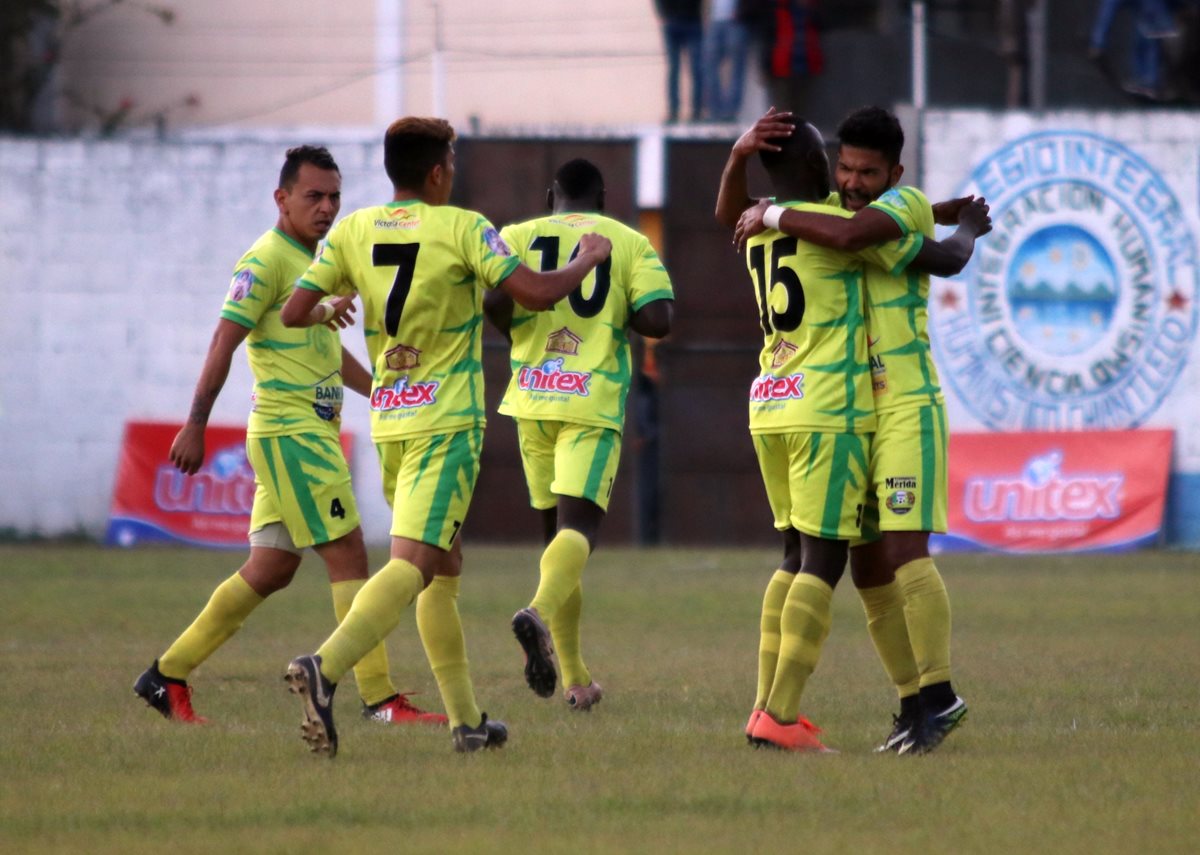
(317, 155)
(579, 179)
(412, 147)
(873, 128)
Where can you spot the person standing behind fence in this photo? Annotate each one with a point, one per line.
(1154, 22)
(726, 43)
(683, 31)
(790, 50)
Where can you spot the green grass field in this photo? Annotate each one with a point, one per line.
(1083, 676)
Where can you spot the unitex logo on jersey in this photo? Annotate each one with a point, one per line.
(550, 377)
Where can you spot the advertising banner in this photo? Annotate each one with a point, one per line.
(1057, 492)
(154, 502)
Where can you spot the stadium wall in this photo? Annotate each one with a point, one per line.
(117, 255)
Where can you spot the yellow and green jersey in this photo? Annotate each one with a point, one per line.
(902, 371)
(814, 374)
(297, 372)
(572, 363)
(419, 269)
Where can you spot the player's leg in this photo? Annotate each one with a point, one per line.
(914, 463)
(772, 453)
(827, 476)
(270, 567)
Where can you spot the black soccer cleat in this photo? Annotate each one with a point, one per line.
(171, 697)
(489, 734)
(933, 728)
(534, 639)
(902, 726)
(304, 679)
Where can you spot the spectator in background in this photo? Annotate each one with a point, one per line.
(682, 31)
(791, 50)
(1013, 21)
(1154, 22)
(726, 43)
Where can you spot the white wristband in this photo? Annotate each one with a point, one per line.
(771, 216)
(326, 311)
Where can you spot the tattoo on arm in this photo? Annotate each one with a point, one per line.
(202, 405)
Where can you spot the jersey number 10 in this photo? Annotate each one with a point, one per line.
(547, 245)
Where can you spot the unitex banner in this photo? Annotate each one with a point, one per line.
(154, 501)
(1057, 492)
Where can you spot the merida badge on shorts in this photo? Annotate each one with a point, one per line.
(901, 501)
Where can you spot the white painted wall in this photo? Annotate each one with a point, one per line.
(116, 260)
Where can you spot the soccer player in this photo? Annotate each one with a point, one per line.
(903, 595)
(420, 266)
(811, 413)
(571, 374)
(303, 496)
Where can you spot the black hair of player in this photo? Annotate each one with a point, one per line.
(412, 147)
(875, 129)
(580, 179)
(800, 169)
(317, 155)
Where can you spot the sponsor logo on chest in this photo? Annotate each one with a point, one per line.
(772, 388)
(402, 396)
(550, 377)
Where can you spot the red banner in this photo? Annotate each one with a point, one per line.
(1057, 492)
(154, 501)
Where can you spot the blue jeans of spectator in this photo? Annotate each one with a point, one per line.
(1153, 16)
(681, 36)
(725, 42)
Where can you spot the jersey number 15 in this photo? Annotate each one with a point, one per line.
(790, 318)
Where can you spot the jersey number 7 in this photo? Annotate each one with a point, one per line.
(547, 245)
(790, 318)
(402, 256)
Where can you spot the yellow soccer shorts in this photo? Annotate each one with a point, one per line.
(428, 481)
(568, 459)
(908, 472)
(816, 482)
(303, 482)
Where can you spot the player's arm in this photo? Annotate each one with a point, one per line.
(498, 307)
(733, 197)
(354, 375)
(187, 451)
(653, 320)
(948, 257)
(304, 308)
(540, 291)
(867, 227)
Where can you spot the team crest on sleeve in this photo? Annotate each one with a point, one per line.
(402, 358)
(894, 198)
(495, 243)
(1079, 309)
(242, 284)
(563, 341)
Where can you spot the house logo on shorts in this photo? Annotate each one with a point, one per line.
(402, 358)
(1079, 309)
(781, 353)
(563, 341)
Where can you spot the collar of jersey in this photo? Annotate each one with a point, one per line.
(399, 202)
(293, 241)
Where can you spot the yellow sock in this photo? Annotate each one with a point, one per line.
(562, 569)
(927, 612)
(804, 624)
(884, 606)
(768, 633)
(371, 672)
(442, 635)
(229, 605)
(564, 629)
(376, 610)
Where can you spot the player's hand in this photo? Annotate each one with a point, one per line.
(771, 125)
(946, 213)
(343, 309)
(750, 224)
(595, 245)
(975, 216)
(187, 451)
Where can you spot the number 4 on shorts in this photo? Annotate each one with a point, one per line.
(336, 509)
